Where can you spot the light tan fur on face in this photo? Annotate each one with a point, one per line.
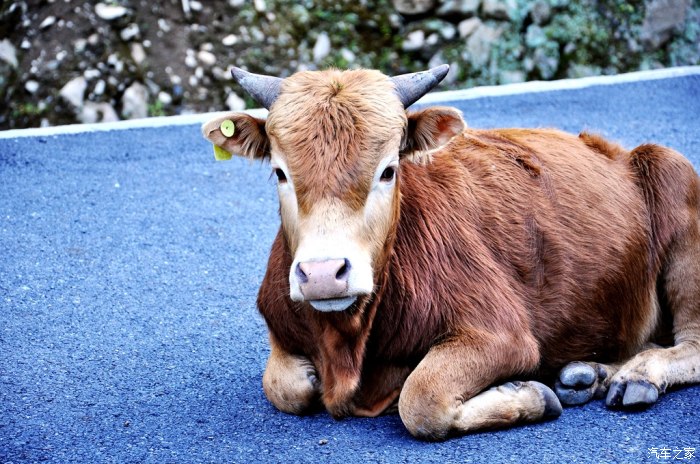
(333, 131)
(333, 128)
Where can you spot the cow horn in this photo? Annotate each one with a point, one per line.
(411, 87)
(264, 89)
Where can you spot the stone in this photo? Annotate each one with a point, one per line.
(31, 86)
(73, 92)
(110, 12)
(80, 45)
(235, 103)
(153, 88)
(8, 53)
(190, 59)
(413, 7)
(260, 6)
(48, 22)
(347, 55)
(480, 43)
(25, 45)
(114, 61)
(165, 98)
(448, 31)
(511, 77)
(546, 61)
(130, 32)
(163, 25)
(577, 70)
(97, 112)
(236, 3)
(468, 26)
(535, 36)
(463, 8)
(135, 101)
(322, 47)
(100, 87)
(90, 74)
(540, 12)
(220, 74)
(138, 53)
(413, 41)
(229, 40)
(662, 19)
(195, 6)
(208, 59)
(499, 9)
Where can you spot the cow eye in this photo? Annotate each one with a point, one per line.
(388, 174)
(281, 178)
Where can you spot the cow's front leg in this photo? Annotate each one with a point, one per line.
(290, 382)
(444, 394)
(641, 380)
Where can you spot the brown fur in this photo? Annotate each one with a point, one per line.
(565, 255)
(510, 253)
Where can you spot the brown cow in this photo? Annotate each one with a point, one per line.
(424, 265)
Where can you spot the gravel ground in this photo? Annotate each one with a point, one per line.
(67, 61)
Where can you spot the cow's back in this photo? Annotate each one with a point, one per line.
(522, 230)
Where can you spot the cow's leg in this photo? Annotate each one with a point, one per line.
(579, 382)
(444, 394)
(290, 382)
(639, 382)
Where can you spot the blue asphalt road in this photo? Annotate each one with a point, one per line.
(129, 266)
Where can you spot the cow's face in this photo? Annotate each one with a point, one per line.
(336, 142)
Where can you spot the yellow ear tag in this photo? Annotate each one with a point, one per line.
(220, 154)
(227, 128)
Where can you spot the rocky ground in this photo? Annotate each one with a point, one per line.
(66, 61)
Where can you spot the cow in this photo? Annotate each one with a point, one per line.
(470, 279)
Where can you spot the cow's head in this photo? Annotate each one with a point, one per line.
(336, 141)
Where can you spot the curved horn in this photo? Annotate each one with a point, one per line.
(411, 87)
(264, 89)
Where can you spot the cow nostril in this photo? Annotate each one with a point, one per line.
(344, 271)
(301, 275)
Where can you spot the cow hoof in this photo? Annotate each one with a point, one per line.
(578, 375)
(636, 394)
(552, 405)
(577, 384)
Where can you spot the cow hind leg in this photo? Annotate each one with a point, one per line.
(579, 382)
(640, 381)
(506, 405)
(447, 392)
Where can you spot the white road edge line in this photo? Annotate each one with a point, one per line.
(432, 98)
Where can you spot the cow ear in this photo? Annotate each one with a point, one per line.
(429, 129)
(237, 134)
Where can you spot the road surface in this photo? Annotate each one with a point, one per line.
(129, 266)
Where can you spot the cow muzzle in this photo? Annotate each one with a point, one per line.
(325, 284)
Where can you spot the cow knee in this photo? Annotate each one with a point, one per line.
(291, 384)
(424, 413)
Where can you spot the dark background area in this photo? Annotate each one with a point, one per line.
(67, 61)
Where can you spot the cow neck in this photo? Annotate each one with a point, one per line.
(344, 337)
